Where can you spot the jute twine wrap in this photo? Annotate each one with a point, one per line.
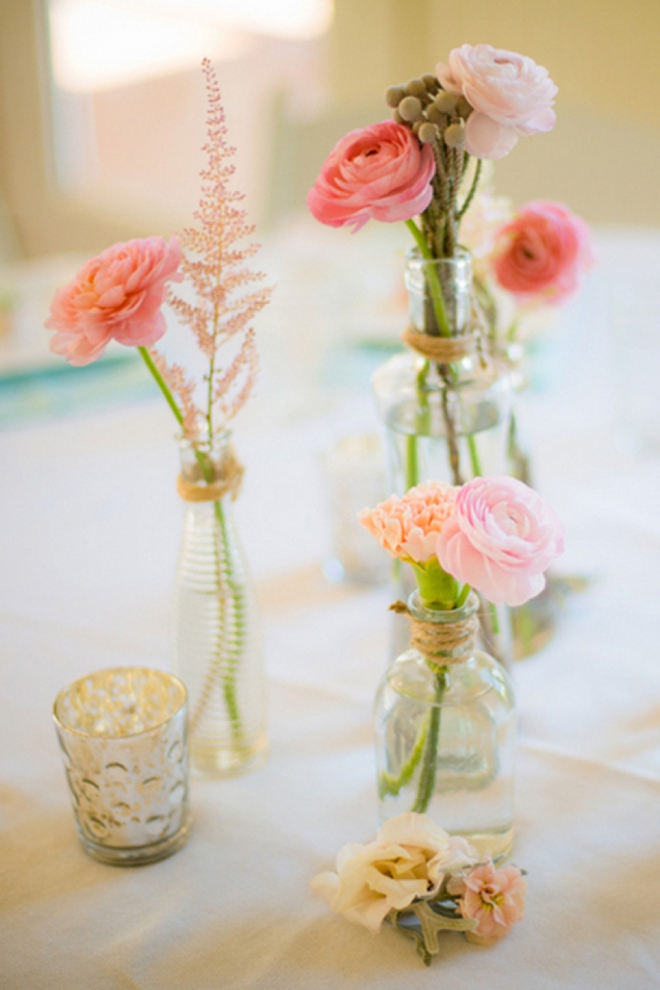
(435, 639)
(229, 483)
(443, 350)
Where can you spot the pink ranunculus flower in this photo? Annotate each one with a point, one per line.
(116, 296)
(408, 526)
(379, 172)
(542, 253)
(499, 539)
(408, 858)
(496, 898)
(510, 93)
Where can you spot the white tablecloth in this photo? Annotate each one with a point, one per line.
(88, 543)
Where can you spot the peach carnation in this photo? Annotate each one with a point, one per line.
(496, 898)
(408, 527)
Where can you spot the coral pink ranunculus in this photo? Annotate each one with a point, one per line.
(500, 538)
(510, 93)
(380, 172)
(116, 296)
(408, 527)
(496, 898)
(543, 252)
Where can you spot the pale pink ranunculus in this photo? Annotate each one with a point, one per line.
(115, 296)
(510, 94)
(499, 539)
(408, 858)
(496, 898)
(379, 172)
(542, 253)
(408, 526)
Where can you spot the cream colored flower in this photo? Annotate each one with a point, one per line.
(408, 858)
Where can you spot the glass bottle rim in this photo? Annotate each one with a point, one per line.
(444, 616)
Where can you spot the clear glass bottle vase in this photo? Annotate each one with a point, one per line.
(445, 422)
(217, 638)
(445, 738)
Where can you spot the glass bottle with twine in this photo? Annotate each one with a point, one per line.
(217, 640)
(445, 721)
(446, 404)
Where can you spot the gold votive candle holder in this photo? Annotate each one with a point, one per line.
(123, 736)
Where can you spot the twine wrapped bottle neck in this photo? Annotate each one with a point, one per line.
(449, 641)
(227, 482)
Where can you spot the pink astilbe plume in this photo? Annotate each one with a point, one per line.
(214, 265)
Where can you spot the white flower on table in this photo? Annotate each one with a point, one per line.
(408, 859)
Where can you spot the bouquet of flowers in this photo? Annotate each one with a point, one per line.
(496, 536)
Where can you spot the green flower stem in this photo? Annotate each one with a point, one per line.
(412, 462)
(160, 381)
(437, 589)
(388, 783)
(426, 784)
(462, 598)
(474, 455)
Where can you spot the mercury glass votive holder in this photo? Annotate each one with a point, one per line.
(123, 736)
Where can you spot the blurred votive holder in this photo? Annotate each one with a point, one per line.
(355, 480)
(123, 736)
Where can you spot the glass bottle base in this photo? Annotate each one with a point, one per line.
(211, 760)
(137, 855)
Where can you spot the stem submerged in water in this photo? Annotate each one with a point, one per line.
(426, 784)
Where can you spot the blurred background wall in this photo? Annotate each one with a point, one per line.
(102, 103)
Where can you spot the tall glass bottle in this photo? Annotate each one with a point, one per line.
(217, 639)
(445, 736)
(445, 403)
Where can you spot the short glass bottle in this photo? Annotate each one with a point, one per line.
(217, 636)
(446, 735)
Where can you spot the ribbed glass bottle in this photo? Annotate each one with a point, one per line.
(445, 421)
(445, 738)
(217, 638)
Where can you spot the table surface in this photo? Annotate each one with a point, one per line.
(88, 544)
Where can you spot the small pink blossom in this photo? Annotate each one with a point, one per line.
(408, 527)
(542, 253)
(115, 296)
(499, 539)
(510, 93)
(496, 898)
(379, 172)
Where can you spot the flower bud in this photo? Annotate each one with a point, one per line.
(410, 108)
(430, 82)
(415, 87)
(397, 118)
(394, 95)
(434, 115)
(455, 135)
(427, 132)
(445, 101)
(463, 108)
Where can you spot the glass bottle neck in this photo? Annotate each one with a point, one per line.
(449, 634)
(439, 294)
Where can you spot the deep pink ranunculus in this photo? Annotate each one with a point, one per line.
(510, 93)
(499, 539)
(379, 172)
(543, 252)
(116, 296)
